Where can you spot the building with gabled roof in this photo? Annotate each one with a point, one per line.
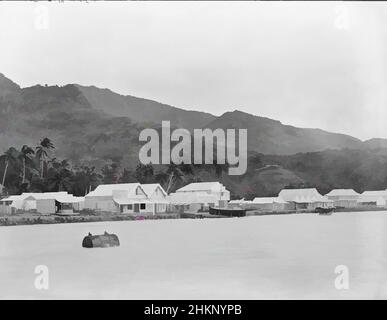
(215, 189)
(343, 198)
(133, 198)
(308, 198)
(156, 194)
(191, 201)
(116, 197)
(44, 203)
(373, 198)
(269, 204)
(154, 190)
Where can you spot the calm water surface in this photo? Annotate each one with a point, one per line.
(263, 257)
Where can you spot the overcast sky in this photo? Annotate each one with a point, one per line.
(320, 65)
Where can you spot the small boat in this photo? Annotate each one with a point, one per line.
(105, 240)
(228, 212)
(324, 211)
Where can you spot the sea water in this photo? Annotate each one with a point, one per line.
(259, 257)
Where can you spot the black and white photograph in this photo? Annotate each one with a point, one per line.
(193, 150)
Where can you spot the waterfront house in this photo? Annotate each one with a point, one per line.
(373, 198)
(120, 197)
(343, 198)
(6, 205)
(191, 201)
(305, 199)
(11, 204)
(269, 204)
(127, 198)
(156, 194)
(215, 189)
(43, 203)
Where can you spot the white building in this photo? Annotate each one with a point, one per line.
(373, 198)
(344, 198)
(269, 204)
(217, 190)
(127, 198)
(157, 195)
(191, 201)
(308, 199)
(13, 203)
(44, 203)
(238, 202)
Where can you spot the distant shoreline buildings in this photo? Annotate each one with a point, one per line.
(310, 199)
(152, 199)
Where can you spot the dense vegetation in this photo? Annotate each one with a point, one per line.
(36, 169)
(94, 139)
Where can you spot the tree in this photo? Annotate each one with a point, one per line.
(42, 153)
(25, 156)
(60, 176)
(144, 173)
(10, 156)
(111, 172)
(127, 176)
(175, 174)
(85, 179)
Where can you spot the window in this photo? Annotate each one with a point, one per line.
(142, 206)
(130, 207)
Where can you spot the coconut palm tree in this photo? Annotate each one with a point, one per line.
(25, 156)
(10, 156)
(60, 176)
(42, 153)
(144, 173)
(175, 174)
(85, 179)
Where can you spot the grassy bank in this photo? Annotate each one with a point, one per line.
(35, 218)
(356, 209)
(30, 219)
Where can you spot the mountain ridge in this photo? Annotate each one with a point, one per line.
(141, 109)
(270, 136)
(77, 115)
(279, 155)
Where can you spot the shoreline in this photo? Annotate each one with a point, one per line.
(34, 218)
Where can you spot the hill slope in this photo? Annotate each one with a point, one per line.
(375, 143)
(7, 86)
(272, 137)
(84, 132)
(143, 110)
(65, 116)
(91, 123)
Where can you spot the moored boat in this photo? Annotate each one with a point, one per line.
(228, 212)
(324, 211)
